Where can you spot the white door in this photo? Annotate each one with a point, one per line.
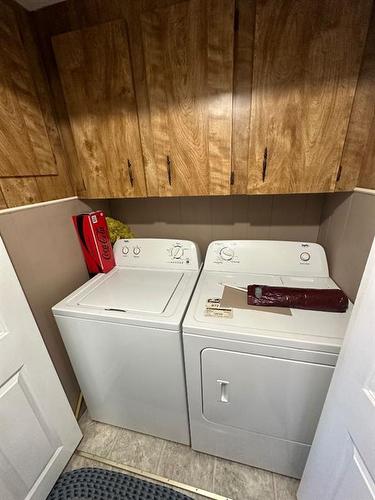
(38, 431)
(341, 464)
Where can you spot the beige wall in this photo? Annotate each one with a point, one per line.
(347, 231)
(204, 219)
(46, 255)
(344, 223)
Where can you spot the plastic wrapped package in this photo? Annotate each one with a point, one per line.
(329, 299)
(118, 230)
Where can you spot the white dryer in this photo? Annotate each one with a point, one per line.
(257, 378)
(122, 331)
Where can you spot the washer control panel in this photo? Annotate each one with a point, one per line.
(267, 257)
(157, 253)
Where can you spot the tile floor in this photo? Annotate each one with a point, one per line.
(181, 463)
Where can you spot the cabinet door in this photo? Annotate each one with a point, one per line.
(306, 63)
(188, 52)
(25, 148)
(357, 162)
(96, 75)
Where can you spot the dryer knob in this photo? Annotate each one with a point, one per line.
(305, 256)
(226, 253)
(177, 252)
(125, 250)
(136, 250)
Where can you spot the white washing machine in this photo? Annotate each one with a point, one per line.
(257, 378)
(122, 331)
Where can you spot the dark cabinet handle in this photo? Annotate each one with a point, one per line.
(265, 156)
(169, 170)
(130, 172)
(338, 177)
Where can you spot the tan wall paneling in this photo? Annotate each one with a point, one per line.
(50, 269)
(346, 232)
(205, 218)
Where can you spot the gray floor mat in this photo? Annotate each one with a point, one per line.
(101, 484)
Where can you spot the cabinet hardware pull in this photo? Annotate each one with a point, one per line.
(130, 172)
(339, 174)
(265, 156)
(236, 20)
(169, 170)
(232, 178)
(54, 158)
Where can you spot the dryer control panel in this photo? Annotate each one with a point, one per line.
(157, 253)
(267, 257)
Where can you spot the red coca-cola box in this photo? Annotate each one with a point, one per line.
(94, 238)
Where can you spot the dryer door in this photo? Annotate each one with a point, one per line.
(277, 397)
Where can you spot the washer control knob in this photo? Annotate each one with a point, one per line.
(305, 256)
(226, 253)
(177, 252)
(136, 250)
(125, 250)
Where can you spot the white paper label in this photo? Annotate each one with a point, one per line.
(219, 313)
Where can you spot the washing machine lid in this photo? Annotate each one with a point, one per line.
(138, 290)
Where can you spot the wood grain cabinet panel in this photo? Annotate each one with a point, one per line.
(20, 191)
(24, 143)
(242, 83)
(96, 74)
(188, 52)
(2, 200)
(358, 159)
(307, 57)
(367, 172)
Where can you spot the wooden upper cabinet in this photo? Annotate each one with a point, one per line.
(307, 56)
(357, 162)
(242, 84)
(25, 148)
(188, 53)
(96, 74)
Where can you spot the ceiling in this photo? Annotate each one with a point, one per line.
(36, 4)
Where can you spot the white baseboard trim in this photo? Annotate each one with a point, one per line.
(365, 191)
